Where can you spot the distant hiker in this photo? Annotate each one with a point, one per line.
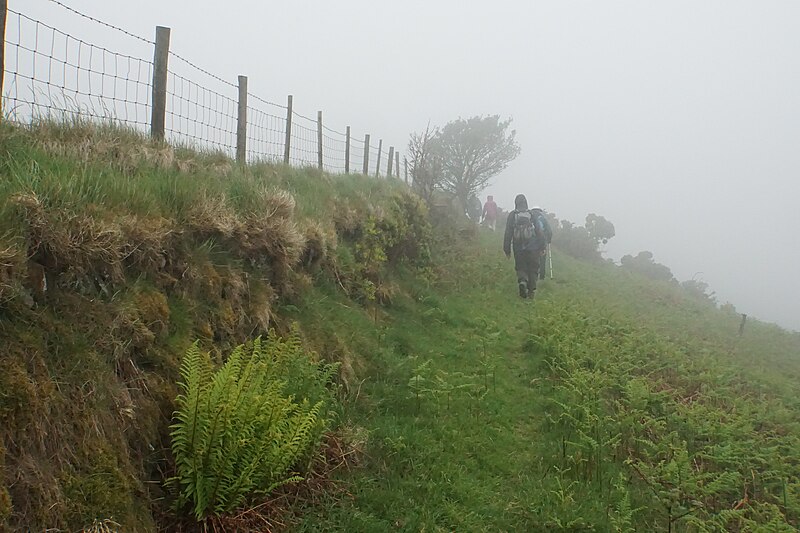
(490, 213)
(474, 208)
(548, 237)
(525, 230)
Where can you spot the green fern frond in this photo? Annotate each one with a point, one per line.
(239, 431)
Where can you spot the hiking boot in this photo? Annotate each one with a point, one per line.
(523, 289)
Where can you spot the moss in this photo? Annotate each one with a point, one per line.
(5, 507)
(154, 311)
(204, 329)
(17, 392)
(98, 489)
(5, 497)
(226, 320)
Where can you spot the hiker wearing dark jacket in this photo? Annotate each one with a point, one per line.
(548, 238)
(525, 235)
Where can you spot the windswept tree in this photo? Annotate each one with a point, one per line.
(423, 163)
(600, 229)
(472, 152)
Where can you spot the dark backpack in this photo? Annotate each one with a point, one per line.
(523, 227)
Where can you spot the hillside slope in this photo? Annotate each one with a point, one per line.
(611, 403)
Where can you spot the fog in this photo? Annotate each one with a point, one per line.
(678, 121)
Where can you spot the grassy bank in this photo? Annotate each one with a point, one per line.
(116, 254)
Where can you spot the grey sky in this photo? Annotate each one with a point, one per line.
(679, 121)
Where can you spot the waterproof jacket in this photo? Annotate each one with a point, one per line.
(535, 243)
(490, 210)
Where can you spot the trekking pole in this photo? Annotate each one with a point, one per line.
(550, 258)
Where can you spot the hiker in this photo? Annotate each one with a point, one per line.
(525, 230)
(548, 237)
(474, 208)
(490, 213)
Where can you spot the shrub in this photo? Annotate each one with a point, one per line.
(240, 430)
(644, 264)
(576, 241)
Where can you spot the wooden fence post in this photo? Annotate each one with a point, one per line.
(288, 143)
(158, 115)
(391, 160)
(378, 162)
(366, 154)
(319, 139)
(347, 152)
(397, 164)
(241, 123)
(3, 16)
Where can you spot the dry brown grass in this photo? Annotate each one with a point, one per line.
(347, 219)
(75, 245)
(126, 151)
(212, 217)
(320, 244)
(271, 238)
(92, 248)
(12, 260)
(259, 309)
(147, 242)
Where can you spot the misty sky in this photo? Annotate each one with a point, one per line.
(679, 121)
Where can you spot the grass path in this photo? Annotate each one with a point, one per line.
(468, 456)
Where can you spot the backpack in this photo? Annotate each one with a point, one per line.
(548, 231)
(523, 227)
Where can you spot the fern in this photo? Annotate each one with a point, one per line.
(240, 431)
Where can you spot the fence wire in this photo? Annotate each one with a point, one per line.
(303, 146)
(334, 148)
(198, 116)
(53, 75)
(356, 155)
(266, 130)
(377, 159)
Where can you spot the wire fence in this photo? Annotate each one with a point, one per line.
(266, 130)
(334, 149)
(50, 74)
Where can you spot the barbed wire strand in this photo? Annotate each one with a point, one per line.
(204, 117)
(98, 21)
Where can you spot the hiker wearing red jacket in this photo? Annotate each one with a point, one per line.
(490, 213)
